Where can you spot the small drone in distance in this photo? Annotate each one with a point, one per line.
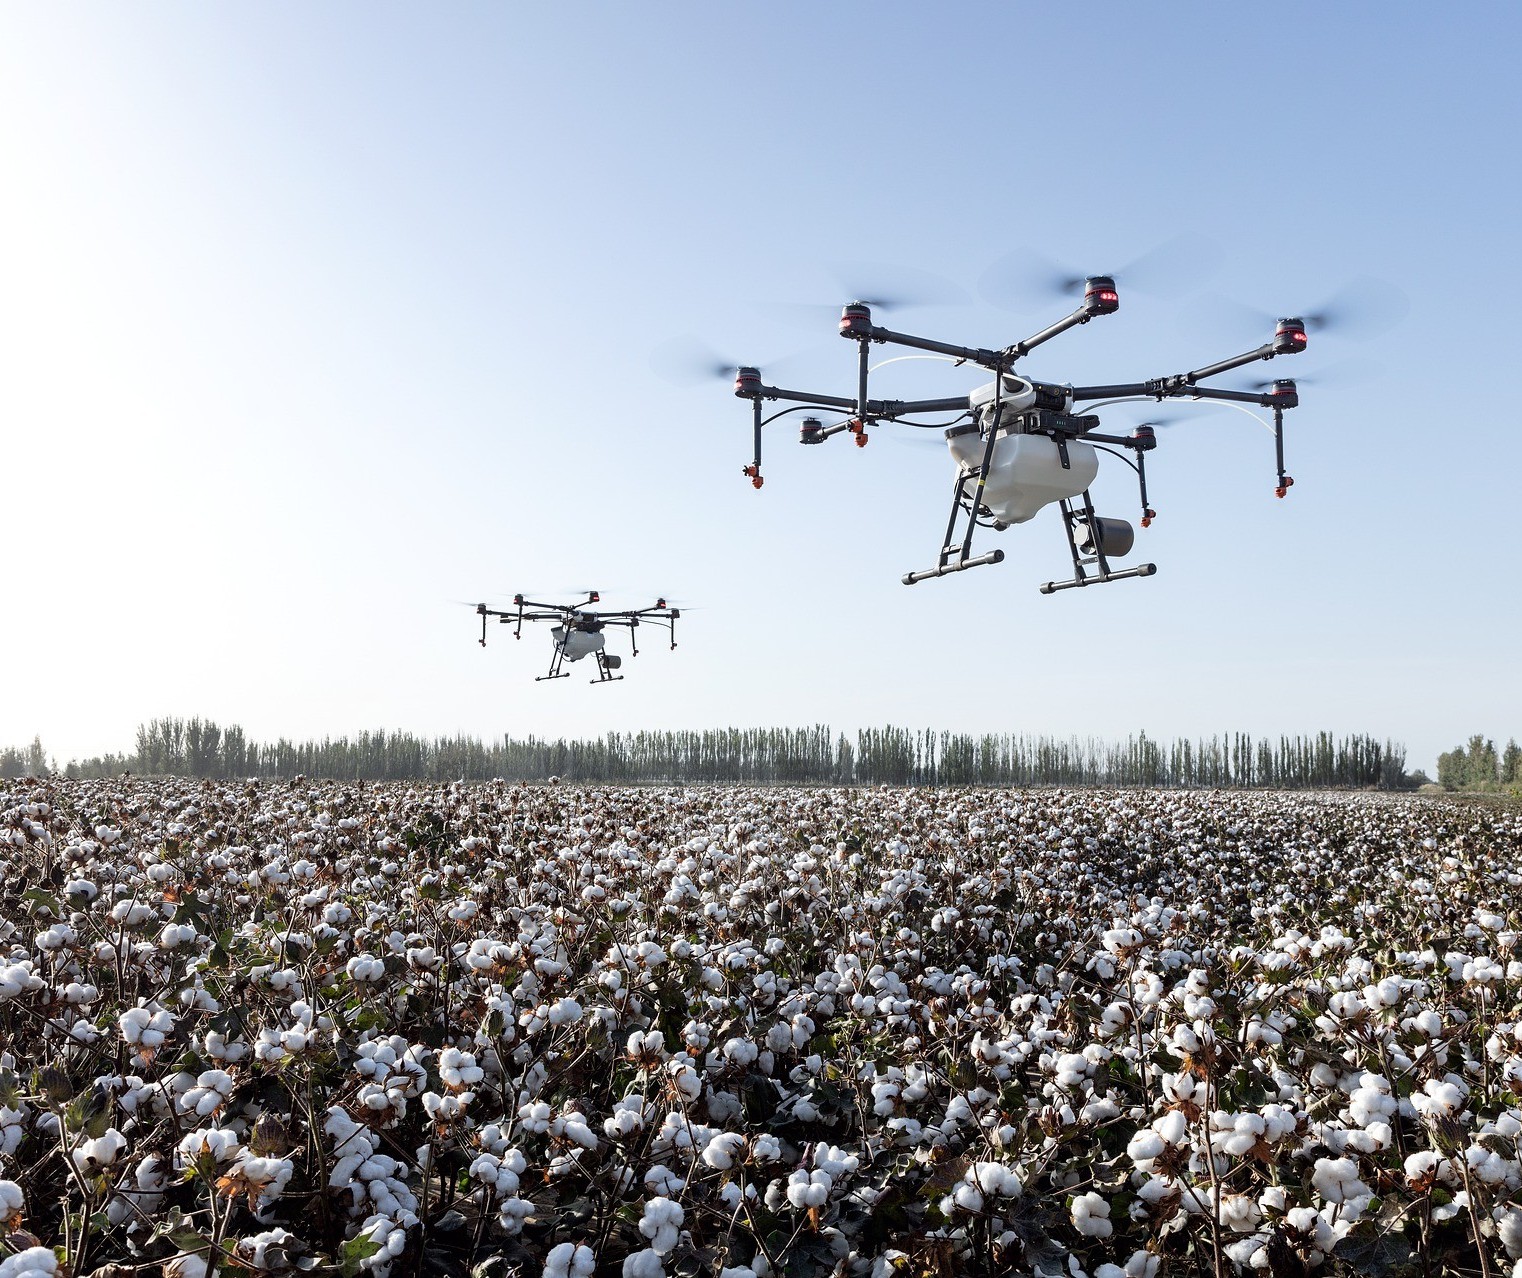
(578, 631)
(1018, 444)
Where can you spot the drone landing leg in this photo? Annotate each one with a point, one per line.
(604, 674)
(954, 556)
(555, 663)
(1071, 518)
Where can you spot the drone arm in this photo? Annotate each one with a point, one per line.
(1122, 390)
(749, 386)
(856, 323)
(1288, 339)
(971, 354)
(1081, 316)
(1182, 386)
(759, 392)
(893, 409)
(1262, 398)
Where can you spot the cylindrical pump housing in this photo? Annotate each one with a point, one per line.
(1114, 537)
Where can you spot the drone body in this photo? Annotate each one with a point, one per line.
(1018, 445)
(1026, 471)
(578, 641)
(578, 632)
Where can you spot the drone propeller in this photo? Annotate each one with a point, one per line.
(882, 287)
(685, 361)
(1343, 372)
(1173, 267)
(896, 288)
(1363, 308)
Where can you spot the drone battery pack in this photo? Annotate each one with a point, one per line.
(1025, 473)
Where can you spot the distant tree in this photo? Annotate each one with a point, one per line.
(36, 759)
(1474, 766)
(1484, 766)
(1511, 763)
(1452, 769)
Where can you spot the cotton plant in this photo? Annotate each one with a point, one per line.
(1032, 986)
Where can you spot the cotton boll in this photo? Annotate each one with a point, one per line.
(661, 1224)
(1091, 1215)
(643, 1264)
(570, 1260)
(809, 1189)
(100, 1153)
(32, 1262)
(1336, 1180)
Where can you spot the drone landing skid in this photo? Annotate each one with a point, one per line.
(957, 556)
(952, 560)
(1075, 517)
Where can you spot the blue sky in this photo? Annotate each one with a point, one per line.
(317, 320)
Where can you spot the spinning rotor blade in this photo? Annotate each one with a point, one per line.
(685, 361)
(896, 288)
(882, 287)
(1024, 276)
(1363, 308)
(1166, 421)
(1344, 372)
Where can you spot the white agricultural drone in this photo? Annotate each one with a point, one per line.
(1018, 445)
(578, 632)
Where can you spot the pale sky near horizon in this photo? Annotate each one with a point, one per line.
(320, 323)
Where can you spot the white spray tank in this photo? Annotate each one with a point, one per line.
(579, 643)
(1026, 471)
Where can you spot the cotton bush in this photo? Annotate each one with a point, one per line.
(738, 1031)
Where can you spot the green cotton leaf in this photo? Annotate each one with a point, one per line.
(188, 1240)
(353, 1254)
(190, 909)
(38, 897)
(1375, 1253)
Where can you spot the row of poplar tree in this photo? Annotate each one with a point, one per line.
(1480, 766)
(793, 756)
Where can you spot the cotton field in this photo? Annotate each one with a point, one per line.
(496, 1030)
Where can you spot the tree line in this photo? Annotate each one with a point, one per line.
(1479, 766)
(771, 756)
